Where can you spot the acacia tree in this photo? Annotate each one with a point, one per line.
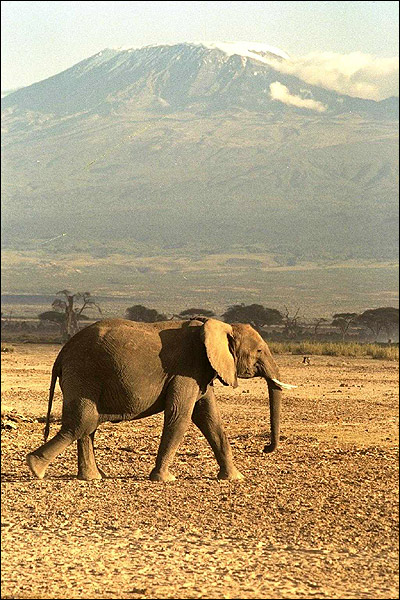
(141, 313)
(257, 315)
(378, 319)
(54, 316)
(317, 323)
(344, 321)
(292, 327)
(73, 313)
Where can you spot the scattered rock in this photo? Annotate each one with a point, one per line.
(5, 424)
(10, 419)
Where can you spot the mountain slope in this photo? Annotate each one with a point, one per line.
(182, 148)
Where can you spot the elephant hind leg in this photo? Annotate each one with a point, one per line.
(74, 426)
(87, 466)
(39, 460)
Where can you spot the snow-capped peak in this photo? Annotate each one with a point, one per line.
(250, 49)
(255, 50)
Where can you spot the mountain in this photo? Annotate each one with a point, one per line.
(193, 150)
(174, 78)
(6, 92)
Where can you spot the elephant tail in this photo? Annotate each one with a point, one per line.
(56, 372)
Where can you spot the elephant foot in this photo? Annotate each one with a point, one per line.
(36, 465)
(161, 476)
(269, 448)
(90, 476)
(231, 475)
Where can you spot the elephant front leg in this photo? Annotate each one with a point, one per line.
(87, 466)
(207, 417)
(181, 397)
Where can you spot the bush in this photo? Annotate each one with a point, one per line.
(143, 314)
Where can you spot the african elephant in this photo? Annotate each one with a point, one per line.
(117, 370)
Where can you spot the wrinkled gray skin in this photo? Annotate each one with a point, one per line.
(118, 370)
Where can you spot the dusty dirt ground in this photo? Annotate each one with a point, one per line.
(316, 519)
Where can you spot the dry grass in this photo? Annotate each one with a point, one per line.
(349, 349)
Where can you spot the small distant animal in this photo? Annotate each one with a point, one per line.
(306, 360)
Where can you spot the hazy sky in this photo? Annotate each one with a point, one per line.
(40, 39)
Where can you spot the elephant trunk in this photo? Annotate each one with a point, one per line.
(275, 395)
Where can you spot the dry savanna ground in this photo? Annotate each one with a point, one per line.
(316, 519)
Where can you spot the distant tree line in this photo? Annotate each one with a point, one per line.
(70, 309)
(372, 323)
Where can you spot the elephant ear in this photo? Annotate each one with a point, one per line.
(218, 340)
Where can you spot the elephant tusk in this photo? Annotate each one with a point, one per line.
(284, 386)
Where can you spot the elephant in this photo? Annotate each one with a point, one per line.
(115, 370)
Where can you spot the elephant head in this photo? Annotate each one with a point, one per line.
(237, 350)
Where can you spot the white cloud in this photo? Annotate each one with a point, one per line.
(355, 74)
(281, 93)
